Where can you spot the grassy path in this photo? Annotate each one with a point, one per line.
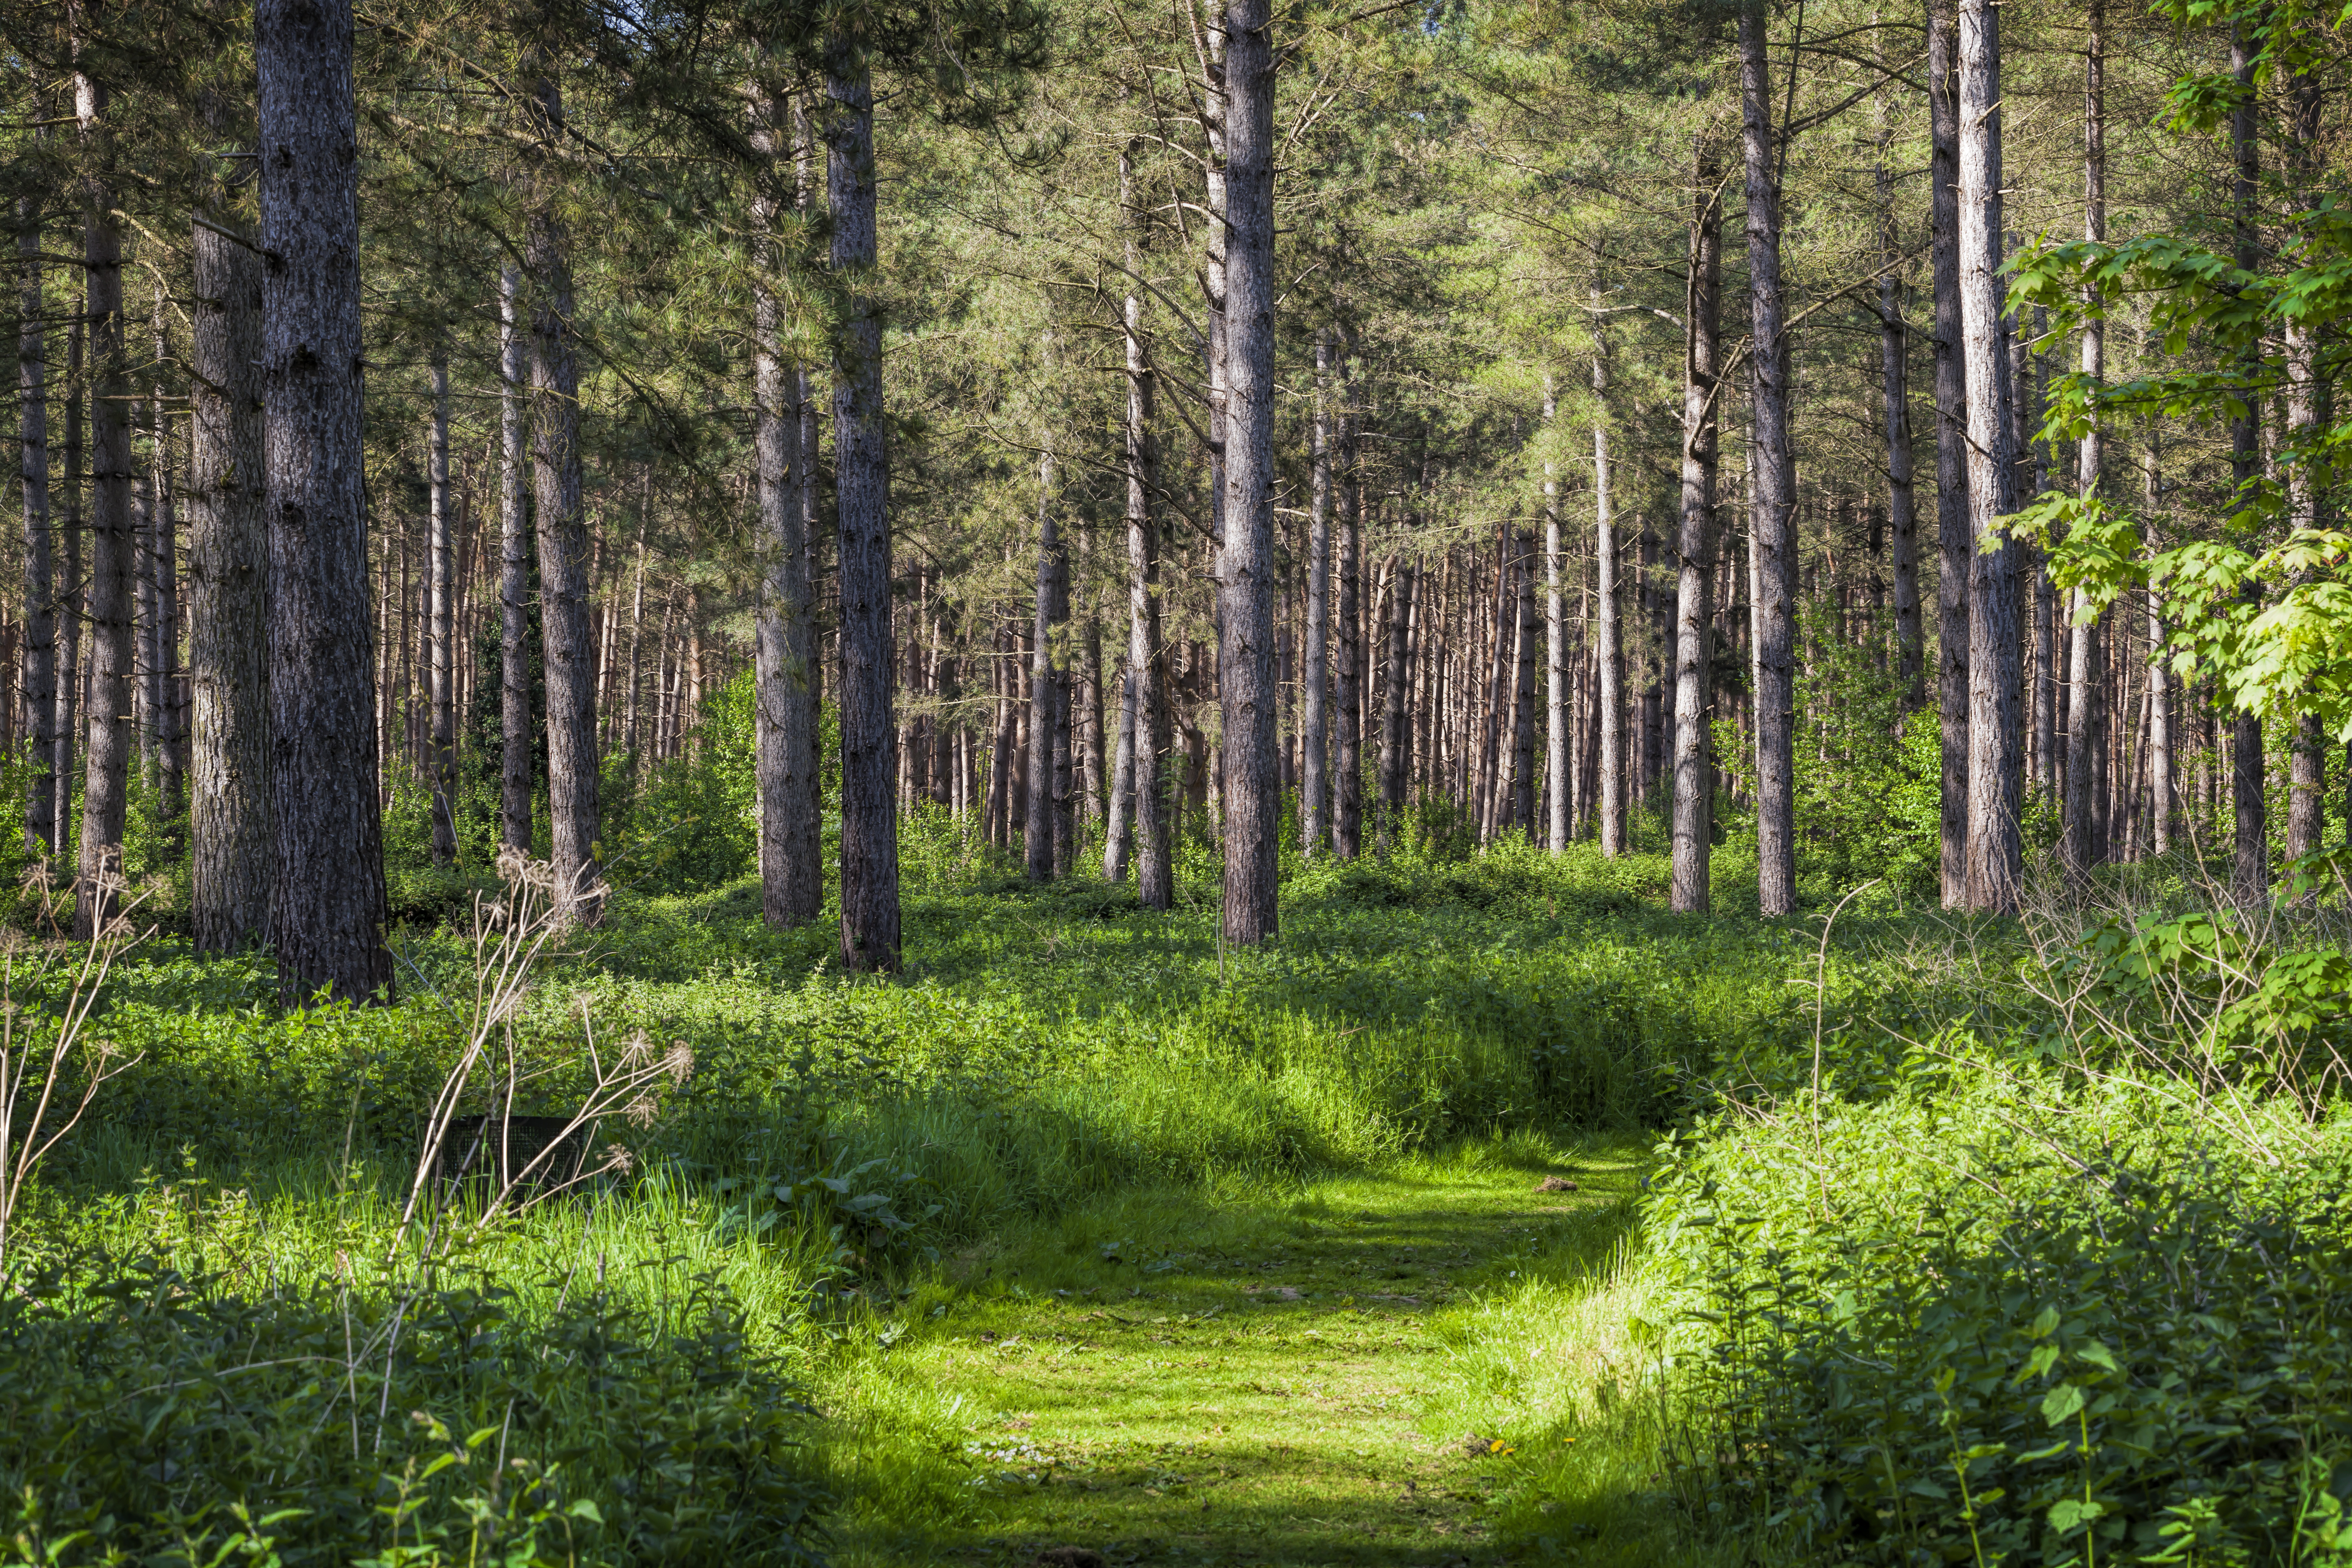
(1289, 1378)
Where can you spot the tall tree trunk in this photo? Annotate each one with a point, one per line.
(1346, 748)
(1955, 545)
(1693, 799)
(1994, 648)
(40, 687)
(1314, 788)
(1610, 653)
(2161, 805)
(1559, 798)
(1772, 482)
(328, 913)
(231, 852)
(444, 567)
(1044, 684)
(1894, 382)
(792, 865)
(567, 657)
(514, 582)
(105, 792)
(2078, 849)
(1252, 783)
(2250, 860)
(869, 827)
(1524, 696)
(2306, 391)
(1143, 716)
(71, 586)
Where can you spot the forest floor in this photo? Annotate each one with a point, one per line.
(1304, 1376)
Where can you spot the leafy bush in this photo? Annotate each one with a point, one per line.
(148, 1417)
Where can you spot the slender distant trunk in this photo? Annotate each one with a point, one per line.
(1245, 677)
(792, 868)
(1524, 696)
(163, 568)
(1955, 548)
(2250, 860)
(2308, 764)
(1611, 651)
(1772, 488)
(1559, 797)
(327, 916)
(108, 751)
(566, 655)
(39, 673)
(2161, 806)
(1396, 681)
(869, 824)
(230, 853)
(1143, 710)
(1314, 785)
(2078, 845)
(1347, 749)
(444, 568)
(1694, 797)
(1893, 375)
(514, 581)
(1044, 684)
(1994, 648)
(71, 586)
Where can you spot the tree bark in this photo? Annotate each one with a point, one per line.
(1994, 729)
(328, 911)
(514, 582)
(1251, 785)
(869, 824)
(1559, 796)
(1314, 736)
(1772, 488)
(1894, 382)
(444, 568)
(567, 656)
(1396, 680)
(71, 589)
(1694, 798)
(1524, 696)
(107, 752)
(1347, 749)
(2162, 803)
(1955, 552)
(1045, 696)
(2078, 845)
(791, 867)
(2306, 390)
(2249, 844)
(1143, 715)
(38, 687)
(1611, 652)
(231, 853)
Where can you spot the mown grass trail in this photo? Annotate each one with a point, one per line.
(1286, 1377)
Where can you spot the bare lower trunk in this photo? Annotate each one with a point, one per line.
(71, 602)
(2079, 845)
(1346, 748)
(1771, 471)
(1893, 376)
(39, 675)
(444, 567)
(1523, 707)
(231, 853)
(869, 824)
(1611, 651)
(1314, 739)
(1396, 681)
(1694, 798)
(514, 581)
(105, 791)
(1994, 648)
(1955, 550)
(1046, 686)
(327, 916)
(1252, 777)
(1559, 797)
(792, 869)
(2250, 860)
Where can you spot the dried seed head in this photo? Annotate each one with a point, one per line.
(679, 1062)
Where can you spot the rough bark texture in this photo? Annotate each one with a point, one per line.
(1396, 682)
(1694, 763)
(71, 586)
(869, 821)
(2249, 875)
(1143, 717)
(231, 853)
(514, 579)
(1894, 384)
(1246, 685)
(567, 656)
(1347, 746)
(1772, 482)
(1611, 650)
(2160, 804)
(1524, 698)
(444, 568)
(2078, 844)
(1953, 542)
(37, 678)
(1045, 684)
(328, 910)
(1995, 729)
(1314, 724)
(2305, 389)
(1558, 794)
(791, 864)
(107, 750)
